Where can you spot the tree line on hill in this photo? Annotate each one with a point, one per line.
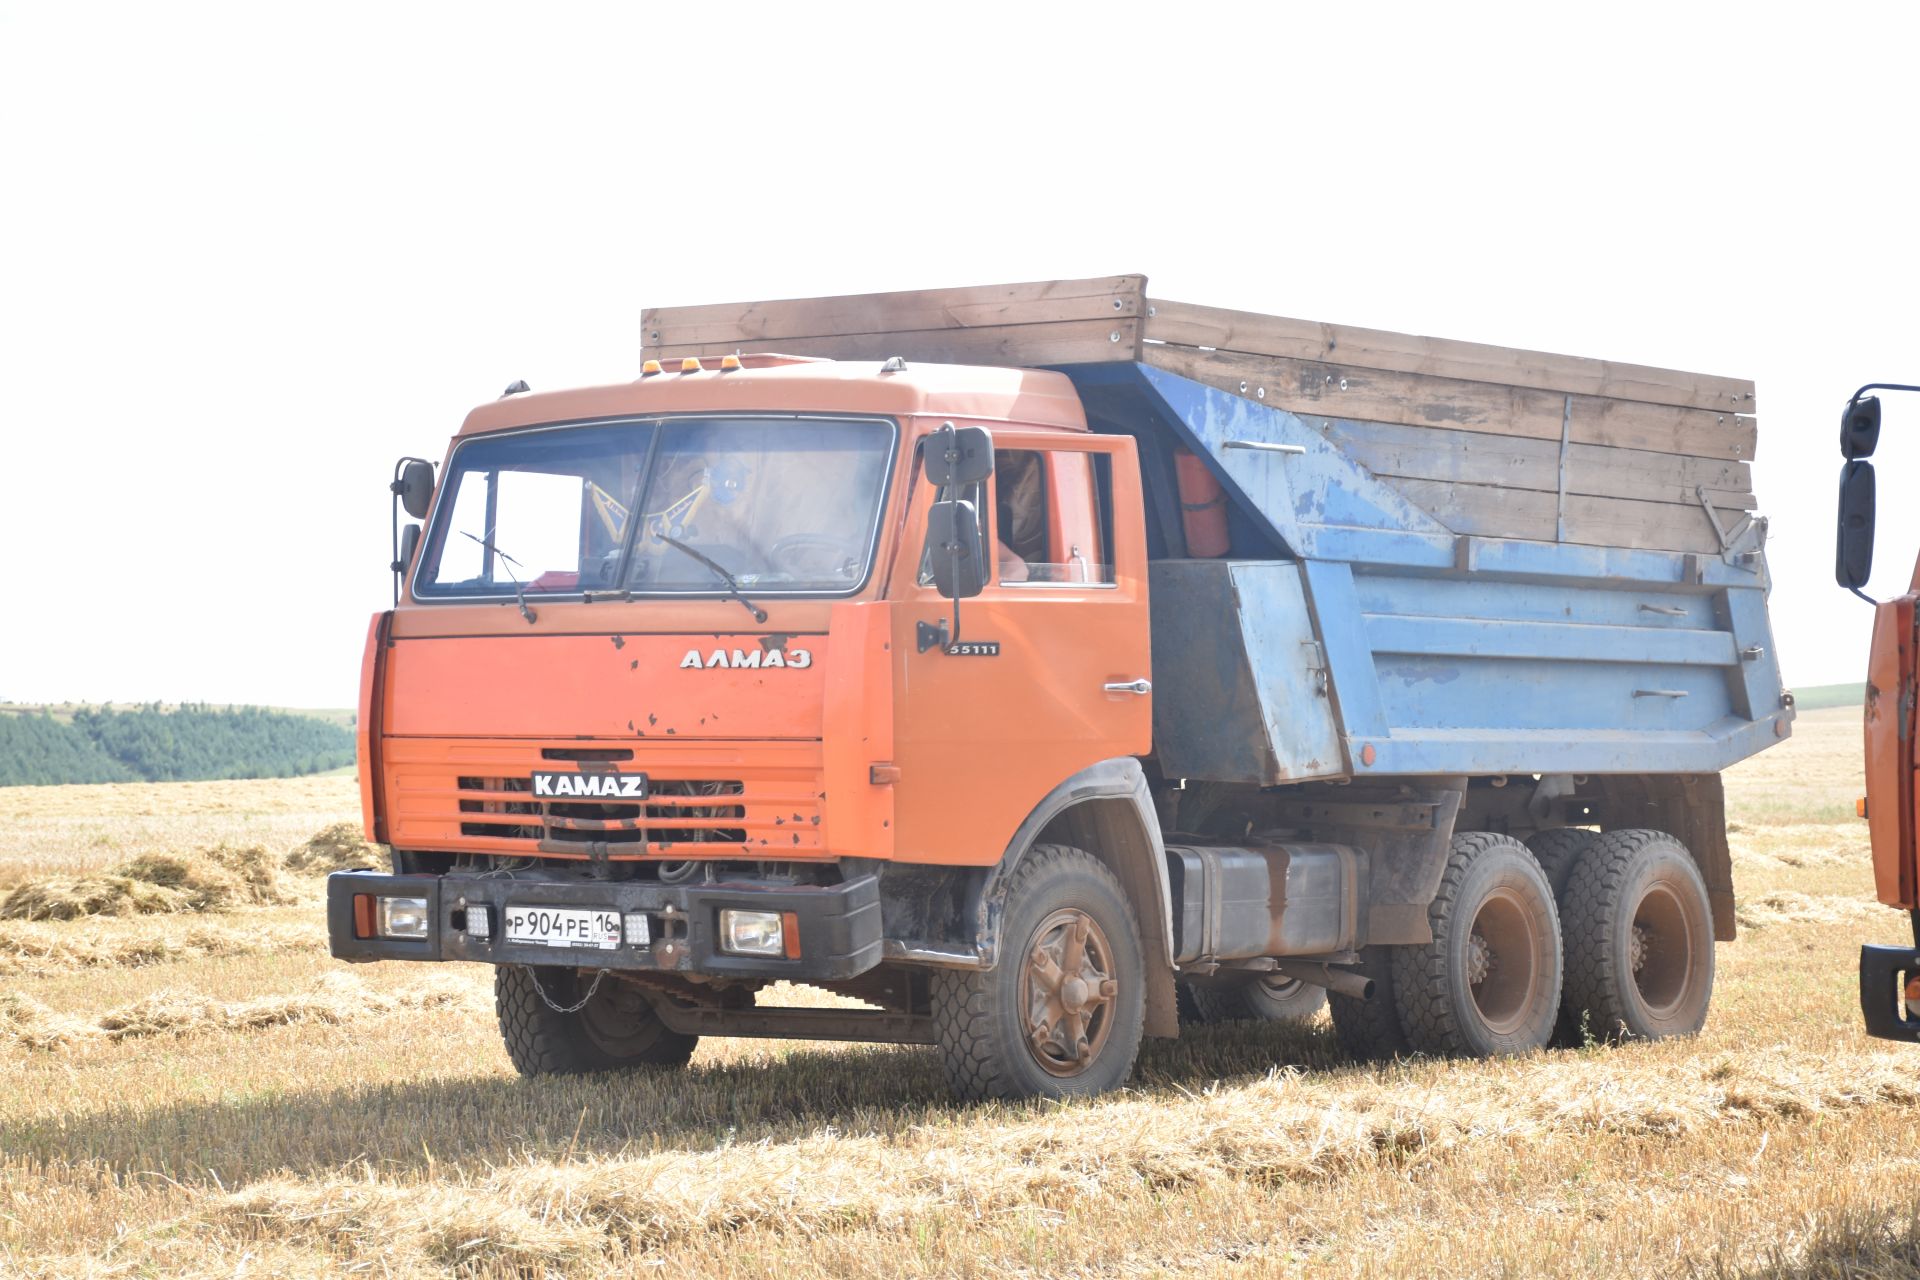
(193, 741)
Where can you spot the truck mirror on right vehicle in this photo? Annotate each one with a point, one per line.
(1860, 428)
(1853, 558)
(957, 553)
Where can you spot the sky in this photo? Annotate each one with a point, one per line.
(250, 254)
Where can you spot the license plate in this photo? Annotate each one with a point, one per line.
(550, 785)
(564, 927)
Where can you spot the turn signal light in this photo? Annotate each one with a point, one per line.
(690, 365)
(649, 367)
(1860, 807)
(728, 363)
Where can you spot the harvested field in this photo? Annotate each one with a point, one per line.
(217, 1093)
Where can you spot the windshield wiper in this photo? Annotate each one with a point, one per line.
(519, 592)
(733, 588)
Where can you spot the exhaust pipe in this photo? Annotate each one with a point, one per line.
(1341, 981)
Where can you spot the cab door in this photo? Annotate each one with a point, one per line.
(1050, 669)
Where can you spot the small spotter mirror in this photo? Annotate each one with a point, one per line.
(414, 485)
(1860, 428)
(959, 455)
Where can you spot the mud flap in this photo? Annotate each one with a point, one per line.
(1882, 1000)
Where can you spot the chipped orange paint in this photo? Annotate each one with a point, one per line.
(867, 748)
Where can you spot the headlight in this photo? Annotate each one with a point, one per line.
(401, 917)
(752, 933)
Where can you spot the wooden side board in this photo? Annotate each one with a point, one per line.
(1497, 512)
(1318, 388)
(1187, 324)
(1039, 323)
(1491, 440)
(1417, 453)
(1070, 342)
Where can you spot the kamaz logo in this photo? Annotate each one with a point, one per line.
(625, 786)
(748, 659)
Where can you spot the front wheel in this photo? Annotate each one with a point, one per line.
(613, 1025)
(1060, 1014)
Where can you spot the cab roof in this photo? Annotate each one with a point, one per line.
(776, 383)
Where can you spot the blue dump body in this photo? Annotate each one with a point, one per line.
(1375, 641)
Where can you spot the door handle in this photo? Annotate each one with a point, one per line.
(1141, 686)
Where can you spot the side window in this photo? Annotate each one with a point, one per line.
(1048, 518)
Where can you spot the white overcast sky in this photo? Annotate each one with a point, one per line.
(250, 254)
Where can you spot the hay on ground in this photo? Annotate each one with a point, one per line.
(336, 998)
(42, 949)
(340, 847)
(213, 879)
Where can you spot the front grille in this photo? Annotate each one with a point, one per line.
(684, 811)
(703, 799)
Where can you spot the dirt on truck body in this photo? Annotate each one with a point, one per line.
(1043, 665)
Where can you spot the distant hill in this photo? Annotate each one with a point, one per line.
(1829, 695)
(192, 741)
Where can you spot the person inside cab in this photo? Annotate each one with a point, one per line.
(1022, 514)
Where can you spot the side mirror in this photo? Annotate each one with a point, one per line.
(1860, 428)
(409, 543)
(957, 456)
(957, 552)
(1853, 546)
(414, 485)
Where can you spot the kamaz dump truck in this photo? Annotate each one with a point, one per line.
(1041, 666)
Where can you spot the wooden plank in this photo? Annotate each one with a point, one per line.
(1317, 388)
(734, 324)
(1017, 346)
(1496, 512)
(1191, 325)
(1420, 453)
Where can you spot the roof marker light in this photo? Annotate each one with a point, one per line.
(649, 368)
(729, 362)
(690, 365)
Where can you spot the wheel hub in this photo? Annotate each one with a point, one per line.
(1069, 993)
(1480, 960)
(1637, 948)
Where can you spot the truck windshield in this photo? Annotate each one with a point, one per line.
(783, 505)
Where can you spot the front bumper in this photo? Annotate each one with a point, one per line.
(839, 925)
(1882, 996)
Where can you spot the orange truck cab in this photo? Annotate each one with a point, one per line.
(1038, 667)
(1889, 976)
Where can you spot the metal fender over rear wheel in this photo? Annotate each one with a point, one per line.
(616, 1028)
(1262, 998)
(1489, 982)
(1060, 1014)
(1639, 939)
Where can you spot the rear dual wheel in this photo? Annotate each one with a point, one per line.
(1639, 940)
(1488, 984)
